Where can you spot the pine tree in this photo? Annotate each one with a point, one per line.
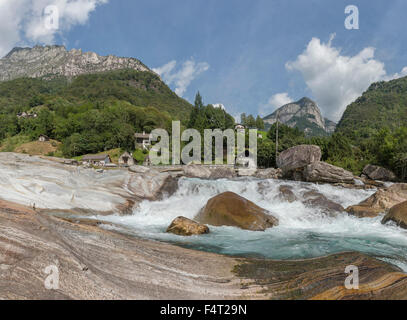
(259, 123)
(243, 119)
(250, 122)
(198, 106)
(198, 101)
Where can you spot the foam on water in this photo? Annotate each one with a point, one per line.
(303, 231)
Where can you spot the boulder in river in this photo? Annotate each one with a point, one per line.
(398, 214)
(318, 200)
(381, 201)
(378, 173)
(327, 173)
(298, 157)
(197, 171)
(270, 173)
(152, 185)
(230, 209)
(182, 226)
(222, 173)
(286, 193)
(205, 172)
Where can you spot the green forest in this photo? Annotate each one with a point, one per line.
(372, 130)
(99, 112)
(91, 113)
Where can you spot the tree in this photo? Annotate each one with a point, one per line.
(198, 101)
(265, 153)
(243, 119)
(250, 121)
(287, 137)
(198, 106)
(259, 123)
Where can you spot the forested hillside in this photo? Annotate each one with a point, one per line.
(91, 113)
(384, 104)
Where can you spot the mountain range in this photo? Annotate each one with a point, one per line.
(304, 115)
(45, 74)
(25, 75)
(52, 61)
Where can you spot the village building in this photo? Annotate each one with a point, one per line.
(239, 127)
(147, 161)
(25, 115)
(245, 160)
(143, 140)
(43, 138)
(126, 159)
(71, 162)
(97, 160)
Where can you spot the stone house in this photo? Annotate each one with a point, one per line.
(43, 138)
(97, 159)
(126, 159)
(143, 140)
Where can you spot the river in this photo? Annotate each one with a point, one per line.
(303, 232)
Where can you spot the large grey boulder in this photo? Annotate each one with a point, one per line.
(205, 172)
(298, 157)
(327, 173)
(270, 173)
(152, 185)
(197, 171)
(378, 173)
(222, 173)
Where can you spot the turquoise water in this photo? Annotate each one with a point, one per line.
(303, 232)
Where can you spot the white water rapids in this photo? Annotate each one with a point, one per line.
(303, 231)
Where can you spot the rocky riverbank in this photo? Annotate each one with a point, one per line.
(96, 260)
(95, 263)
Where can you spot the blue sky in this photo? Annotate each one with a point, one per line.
(245, 53)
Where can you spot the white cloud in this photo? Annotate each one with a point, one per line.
(276, 101)
(182, 77)
(219, 105)
(238, 117)
(403, 73)
(166, 69)
(280, 99)
(24, 21)
(336, 80)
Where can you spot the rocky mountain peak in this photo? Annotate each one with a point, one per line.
(55, 60)
(303, 114)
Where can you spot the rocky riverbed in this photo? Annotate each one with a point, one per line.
(101, 229)
(95, 263)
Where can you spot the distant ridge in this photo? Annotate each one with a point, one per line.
(53, 61)
(304, 115)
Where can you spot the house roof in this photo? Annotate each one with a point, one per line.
(142, 135)
(98, 157)
(126, 154)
